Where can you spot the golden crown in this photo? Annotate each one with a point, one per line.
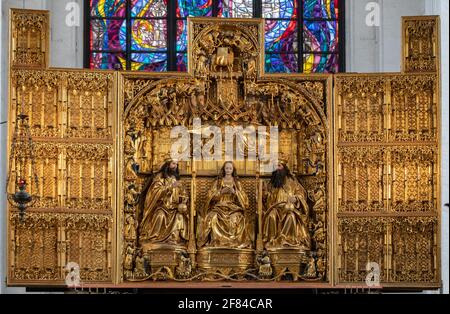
(283, 158)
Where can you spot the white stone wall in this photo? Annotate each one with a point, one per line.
(66, 47)
(368, 49)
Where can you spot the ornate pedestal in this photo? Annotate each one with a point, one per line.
(163, 260)
(226, 262)
(288, 261)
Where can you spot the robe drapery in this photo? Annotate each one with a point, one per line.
(286, 223)
(224, 222)
(162, 221)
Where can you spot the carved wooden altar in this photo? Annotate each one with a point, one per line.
(364, 146)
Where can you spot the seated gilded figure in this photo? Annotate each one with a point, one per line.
(224, 222)
(285, 221)
(165, 214)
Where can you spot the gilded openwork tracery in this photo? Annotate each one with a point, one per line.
(387, 189)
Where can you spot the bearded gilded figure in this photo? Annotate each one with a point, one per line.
(165, 215)
(285, 222)
(225, 222)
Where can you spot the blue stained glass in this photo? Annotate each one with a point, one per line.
(107, 61)
(281, 63)
(123, 35)
(320, 9)
(235, 8)
(152, 62)
(106, 35)
(108, 8)
(321, 63)
(182, 62)
(281, 36)
(187, 8)
(279, 9)
(320, 36)
(148, 34)
(181, 35)
(149, 8)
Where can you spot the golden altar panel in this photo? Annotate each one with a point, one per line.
(363, 150)
(421, 44)
(387, 177)
(30, 38)
(72, 221)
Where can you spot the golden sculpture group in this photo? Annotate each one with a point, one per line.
(225, 221)
(357, 180)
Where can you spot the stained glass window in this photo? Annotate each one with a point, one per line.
(322, 43)
(128, 34)
(185, 9)
(301, 36)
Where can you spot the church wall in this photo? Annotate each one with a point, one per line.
(66, 38)
(377, 48)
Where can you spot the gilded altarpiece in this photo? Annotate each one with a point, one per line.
(387, 173)
(363, 152)
(225, 87)
(70, 116)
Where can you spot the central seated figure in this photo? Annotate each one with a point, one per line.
(223, 221)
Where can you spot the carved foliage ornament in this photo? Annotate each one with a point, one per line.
(421, 44)
(30, 38)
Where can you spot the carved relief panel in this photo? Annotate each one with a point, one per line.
(29, 38)
(389, 184)
(227, 89)
(421, 48)
(71, 221)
